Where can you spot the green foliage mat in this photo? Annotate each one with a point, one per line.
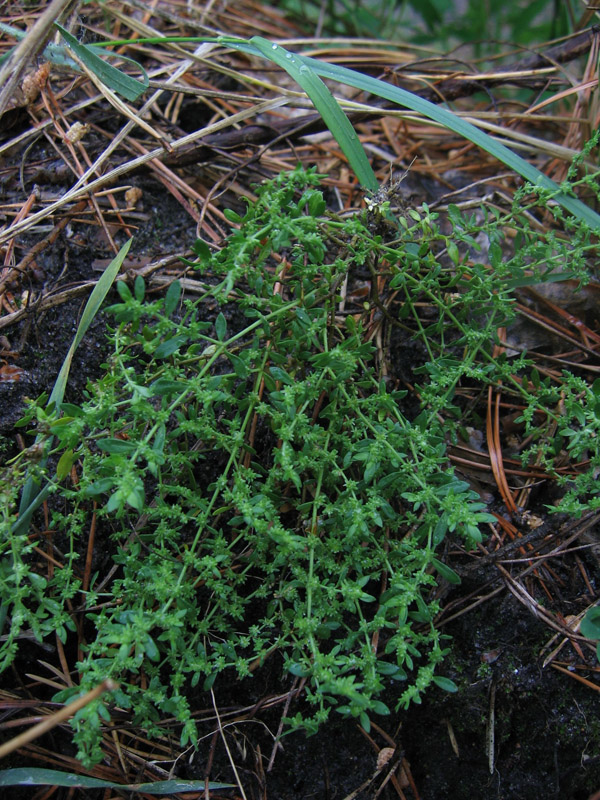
(264, 493)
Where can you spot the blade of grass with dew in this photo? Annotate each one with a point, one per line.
(121, 83)
(38, 776)
(333, 116)
(402, 97)
(327, 106)
(440, 115)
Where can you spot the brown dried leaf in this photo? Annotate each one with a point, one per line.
(384, 756)
(11, 374)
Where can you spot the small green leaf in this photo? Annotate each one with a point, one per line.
(65, 462)
(281, 375)
(170, 346)
(386, 668)
(151, 649)
(590, 624)
(136, 498)
(298, 670)
(239, 366)
(159, 440)
(165, 386)
(453, 251)
(316, 204)
(445, 683)
(379, 708)
(370, 470)
(99, 487)
(209, 682)
(71, 410)
(112, 445)
(446, 572)
(124, 291)
(221, 327)
(172, 298)
(202, 250)
(139, 288)
(231, 216)
(66, 695)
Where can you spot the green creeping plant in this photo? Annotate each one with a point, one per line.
(265, 490)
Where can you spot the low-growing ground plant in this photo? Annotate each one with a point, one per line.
(437, 22)
(261, 484)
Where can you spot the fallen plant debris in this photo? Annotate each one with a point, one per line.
(322, 441)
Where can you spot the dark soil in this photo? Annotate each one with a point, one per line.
(546, 728)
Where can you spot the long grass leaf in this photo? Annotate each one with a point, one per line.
(92, 307)
(460, 126)
(327, 106)
(130, 88)
(94, 302)
(444, 117)
(412, 101)
(32, 495)
(37, 776)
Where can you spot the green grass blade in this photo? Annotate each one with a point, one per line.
(94, 302)
(327, 106)
(32, 495)
(37, 776)
(130, 88)
(442, 116)
(6, 56)
(26, 512)
(458, 125)
(403, 98)
(92, 307)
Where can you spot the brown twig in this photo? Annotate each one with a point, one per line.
(57, 718)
